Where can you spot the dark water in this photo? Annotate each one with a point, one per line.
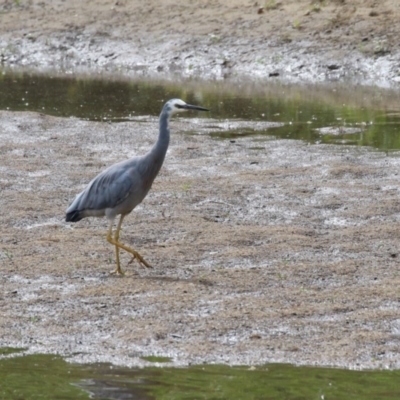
(352, 116)
(41, 377)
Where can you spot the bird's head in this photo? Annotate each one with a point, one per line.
(177, 105)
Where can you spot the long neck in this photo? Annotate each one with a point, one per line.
(157, 153)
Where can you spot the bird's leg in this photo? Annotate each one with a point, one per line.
(118, 271)
(118, 245)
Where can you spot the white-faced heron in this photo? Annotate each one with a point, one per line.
(121, 187)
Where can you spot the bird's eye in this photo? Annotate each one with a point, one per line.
(178, 106)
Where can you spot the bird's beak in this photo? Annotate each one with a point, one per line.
(190, 107)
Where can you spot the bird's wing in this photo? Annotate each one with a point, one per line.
(109, 188)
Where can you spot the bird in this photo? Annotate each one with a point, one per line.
(122, 186)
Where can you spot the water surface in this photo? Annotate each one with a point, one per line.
(43, 377)
(321, 114)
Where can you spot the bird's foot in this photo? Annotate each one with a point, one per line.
(118, 271)
(136, 256)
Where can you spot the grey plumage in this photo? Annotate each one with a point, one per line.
(121, 187)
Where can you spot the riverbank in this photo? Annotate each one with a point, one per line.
(295, 41)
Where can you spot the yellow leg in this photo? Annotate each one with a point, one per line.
(118, 271)
(115, 241)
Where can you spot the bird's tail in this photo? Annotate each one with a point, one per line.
(73, 216)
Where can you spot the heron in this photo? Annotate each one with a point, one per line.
(122, 186)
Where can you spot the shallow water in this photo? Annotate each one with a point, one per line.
(51, 377)
(324, 114)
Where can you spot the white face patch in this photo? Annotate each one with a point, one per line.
(175, 105)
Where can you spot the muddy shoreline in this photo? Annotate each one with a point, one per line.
(299, 41)
(279, 252)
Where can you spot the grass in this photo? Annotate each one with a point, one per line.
(8, 254)
(297, 24)
(271, 5)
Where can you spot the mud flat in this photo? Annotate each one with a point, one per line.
(263, 250)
